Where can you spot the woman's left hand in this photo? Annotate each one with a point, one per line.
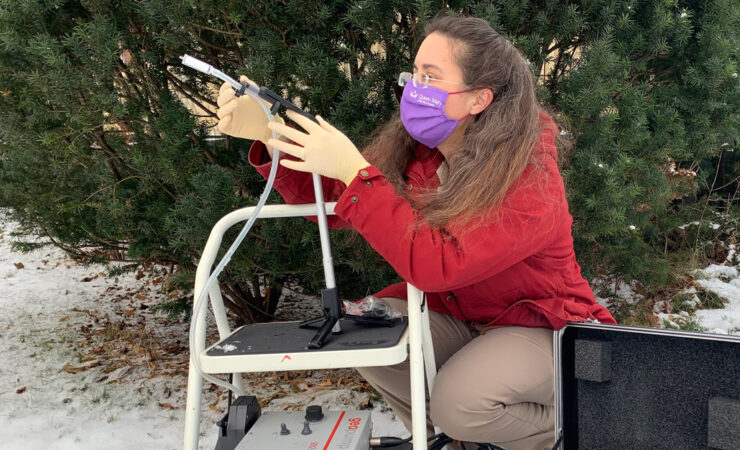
(323, 149)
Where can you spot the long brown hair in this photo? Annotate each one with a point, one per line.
(498, 143)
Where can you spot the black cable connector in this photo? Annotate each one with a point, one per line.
(436, 442)
(440, 443)
(387, 441)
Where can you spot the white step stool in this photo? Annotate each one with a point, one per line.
(367, 347)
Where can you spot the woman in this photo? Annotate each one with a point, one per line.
(462, 196)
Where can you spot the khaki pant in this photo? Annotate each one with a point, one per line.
(493, 388)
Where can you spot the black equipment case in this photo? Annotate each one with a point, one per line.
(624, 387)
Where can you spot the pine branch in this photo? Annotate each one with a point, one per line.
(236, 42)
(263, 17)
(113, 157)
(211, 45)
(100, 242)
(127, 78)
(215, 30)
(234, 306)
(185, 90)
(46, 233)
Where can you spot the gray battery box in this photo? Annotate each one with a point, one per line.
(338, 430)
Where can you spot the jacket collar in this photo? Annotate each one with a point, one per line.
(429, 158)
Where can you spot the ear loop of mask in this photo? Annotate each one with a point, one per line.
(462, 92)
(468, 90)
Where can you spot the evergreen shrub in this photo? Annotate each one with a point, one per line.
(99, 153)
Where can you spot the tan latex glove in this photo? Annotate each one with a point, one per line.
(242, 116)
(323, 149)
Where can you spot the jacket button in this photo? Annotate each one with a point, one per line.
(448, 298)
(368, 183)
(354, 198)
(364, 173)
(410, 186)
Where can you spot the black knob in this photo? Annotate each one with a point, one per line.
(314, 413)
(284, 429)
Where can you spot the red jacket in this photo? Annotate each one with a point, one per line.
(518, 268)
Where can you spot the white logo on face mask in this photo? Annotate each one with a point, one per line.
(425, 100)
(413, 94)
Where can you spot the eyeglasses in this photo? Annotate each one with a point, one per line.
(404, 78)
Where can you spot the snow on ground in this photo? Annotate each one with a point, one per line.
(88, 365)
(721, 280)
(723, 320)
(623, 291)
(724, 281)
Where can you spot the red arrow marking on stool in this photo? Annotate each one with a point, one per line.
(284, 358)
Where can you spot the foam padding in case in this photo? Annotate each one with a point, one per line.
(648, 390)
(593, 360)
(723, 427)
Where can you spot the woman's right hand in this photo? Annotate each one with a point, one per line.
(241, 116)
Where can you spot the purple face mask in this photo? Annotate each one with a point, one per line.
(423, 114)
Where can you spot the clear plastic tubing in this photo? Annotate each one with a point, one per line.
(200, 301)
